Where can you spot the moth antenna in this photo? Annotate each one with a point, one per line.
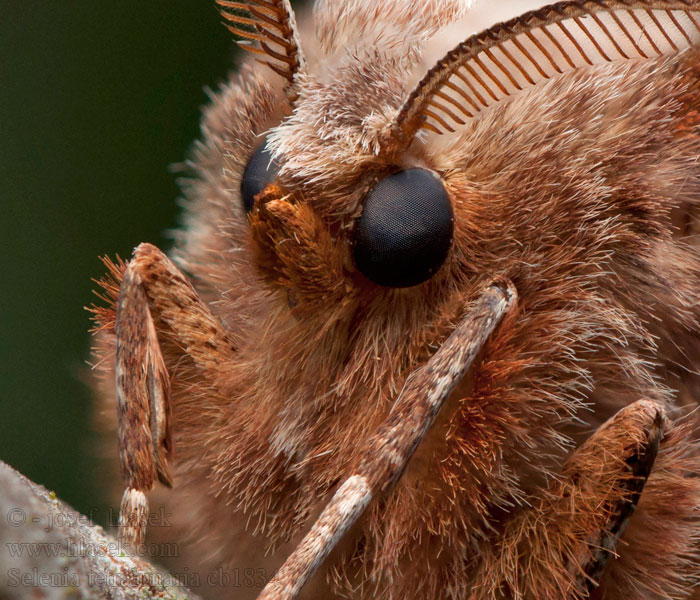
(388, 451)
(268, 28)
(507, 58)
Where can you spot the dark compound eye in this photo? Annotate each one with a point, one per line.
(405, 230)
(259, 173)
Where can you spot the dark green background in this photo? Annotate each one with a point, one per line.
(97, 99)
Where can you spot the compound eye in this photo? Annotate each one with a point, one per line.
(260, 171)
(405, 231)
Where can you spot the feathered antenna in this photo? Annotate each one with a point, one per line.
(269, 29)
(509, 57)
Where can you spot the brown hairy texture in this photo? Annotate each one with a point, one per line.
(283, 361)
(386, 454)
(393, 24)
(657, 557)
(563, 557)
(104, 314)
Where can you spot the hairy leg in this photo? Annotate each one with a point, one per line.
(559, 548)
(154, 296)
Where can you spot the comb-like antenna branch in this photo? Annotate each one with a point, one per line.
(263, 24)
(541, 44)
(388, 451)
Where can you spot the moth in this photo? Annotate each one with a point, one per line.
(431, 326)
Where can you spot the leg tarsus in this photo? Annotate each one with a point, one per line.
(133, 516)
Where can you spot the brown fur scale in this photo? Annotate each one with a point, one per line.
(584, 192)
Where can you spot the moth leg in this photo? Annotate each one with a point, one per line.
(560, 547)
(154, 292)
(387, 452)
(636, 432)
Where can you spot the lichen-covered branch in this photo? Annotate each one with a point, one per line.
(47, 550)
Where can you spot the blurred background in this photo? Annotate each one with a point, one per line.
(97, 99)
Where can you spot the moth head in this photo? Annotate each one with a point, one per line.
(402, 236)
(374, 220)
(350, 152)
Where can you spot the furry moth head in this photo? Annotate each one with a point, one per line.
(376, 188)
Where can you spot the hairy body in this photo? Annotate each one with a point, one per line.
(582, 190)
